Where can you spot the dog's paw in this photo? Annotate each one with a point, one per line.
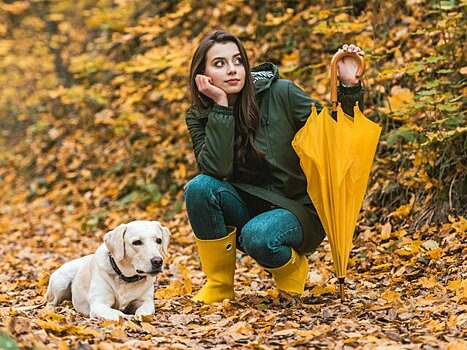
(143, 314)
(110, 315)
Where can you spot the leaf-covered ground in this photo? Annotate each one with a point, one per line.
(403, 292)
(92, 134)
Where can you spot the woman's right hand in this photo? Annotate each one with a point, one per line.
(205, 86)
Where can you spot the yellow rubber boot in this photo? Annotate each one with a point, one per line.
(218, 259)
(292, 276)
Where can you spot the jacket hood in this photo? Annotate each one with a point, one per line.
(263, 76)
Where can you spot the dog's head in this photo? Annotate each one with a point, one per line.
(139, 245)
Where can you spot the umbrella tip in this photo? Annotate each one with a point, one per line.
(342, 288)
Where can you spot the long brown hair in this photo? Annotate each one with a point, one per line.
(246, 110)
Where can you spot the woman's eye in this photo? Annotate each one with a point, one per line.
(138, 242)
(219, 64)
(238, 61)
(158, 240)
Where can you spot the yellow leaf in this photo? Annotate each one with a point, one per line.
(341, 17)
(386, 231)
(290, 61)
(15, 8)
(69, 329)
(149, 328)
(188, 286)
(381, 266)
(177, 287)
(452, 321)
(404, 210)
(12, 286)
(62, 345)
(133, 326)
(400, 97)
(108, 323)
(429, 283)
(172, 290)
(457, 345)
(318, 290)
(459, 225)
(307, 333)
(283, 332)
(403, 252)
(391, 296)
(436, 253)
(455, 285)
(180, 173)
(436, 325)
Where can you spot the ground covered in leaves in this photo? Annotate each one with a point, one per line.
(403, 292)
(92, 134)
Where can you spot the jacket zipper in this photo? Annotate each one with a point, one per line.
(265, 124)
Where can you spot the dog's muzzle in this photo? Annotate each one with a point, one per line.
(156, 266)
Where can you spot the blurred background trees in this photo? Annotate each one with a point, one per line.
(93, 97)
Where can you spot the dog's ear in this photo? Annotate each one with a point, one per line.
(115, 243)
(165, 241)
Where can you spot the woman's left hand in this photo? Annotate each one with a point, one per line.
(347, 67)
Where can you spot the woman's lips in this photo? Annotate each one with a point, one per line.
(233, 81)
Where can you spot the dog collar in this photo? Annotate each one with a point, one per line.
(126, 279)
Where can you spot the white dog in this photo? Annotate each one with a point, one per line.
(119, 278)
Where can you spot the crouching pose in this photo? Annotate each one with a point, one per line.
(251, 194)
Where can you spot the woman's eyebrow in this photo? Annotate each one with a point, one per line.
(222, 58)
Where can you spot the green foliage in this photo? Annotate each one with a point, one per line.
(7, 343)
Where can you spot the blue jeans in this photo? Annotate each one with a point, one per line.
(264, 233)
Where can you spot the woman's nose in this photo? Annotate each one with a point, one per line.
(231, 69)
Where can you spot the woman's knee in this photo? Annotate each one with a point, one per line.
(200, 187)
(269, 237)
(257, 241)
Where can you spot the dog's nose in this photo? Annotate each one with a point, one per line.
(156, 261)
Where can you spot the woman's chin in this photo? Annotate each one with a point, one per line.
(232, 90)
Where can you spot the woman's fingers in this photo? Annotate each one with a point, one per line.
(202, 82)
(207, 88)
(352, 48)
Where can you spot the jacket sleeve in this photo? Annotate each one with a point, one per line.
(213, 141)
(300, 104)
(347, 96)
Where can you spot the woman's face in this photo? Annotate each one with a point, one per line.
(224, 65)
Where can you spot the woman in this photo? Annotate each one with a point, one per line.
(251, 193)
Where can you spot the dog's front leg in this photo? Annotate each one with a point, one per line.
(147, 307)
(101, 298)
(103, 310)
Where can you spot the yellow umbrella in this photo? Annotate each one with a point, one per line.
(336, 157)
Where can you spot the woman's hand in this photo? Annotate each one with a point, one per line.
(347, 67)
(205, 86)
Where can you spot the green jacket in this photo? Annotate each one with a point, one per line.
(284, 109)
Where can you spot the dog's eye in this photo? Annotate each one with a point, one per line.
(159, 240)
(138, 242)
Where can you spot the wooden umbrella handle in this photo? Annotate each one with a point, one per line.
(335, 59)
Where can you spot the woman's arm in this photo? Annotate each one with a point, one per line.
(300, 105)
(213, 140)
(348, 96)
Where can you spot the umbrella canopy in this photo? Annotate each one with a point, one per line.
(336, 157)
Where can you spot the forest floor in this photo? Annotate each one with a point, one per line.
(402, 293)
